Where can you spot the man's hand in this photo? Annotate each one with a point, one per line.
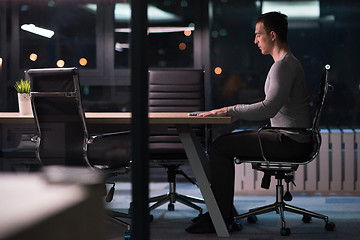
(222, 112)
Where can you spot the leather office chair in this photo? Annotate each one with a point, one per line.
(283, 169)
(63, 137)
(174, 90)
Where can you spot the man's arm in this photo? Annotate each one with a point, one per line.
(221, 112)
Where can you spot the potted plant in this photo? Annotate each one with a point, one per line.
(23, 89)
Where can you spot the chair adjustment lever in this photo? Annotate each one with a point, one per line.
(287, 196)
(265, 182)
(110, 195)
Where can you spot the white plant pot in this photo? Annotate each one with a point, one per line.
(24, 104)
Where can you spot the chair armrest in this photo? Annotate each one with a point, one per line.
(110, 150)
(107, 136)
(287, 129)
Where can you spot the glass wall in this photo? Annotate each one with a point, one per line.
(320, 32)
(94, 36)
(57, 35)
(170, 34)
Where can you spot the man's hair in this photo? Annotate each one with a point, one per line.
(275, 21)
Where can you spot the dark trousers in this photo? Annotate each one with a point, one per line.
(245, 145)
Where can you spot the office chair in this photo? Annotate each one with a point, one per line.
(63, 137)
(174, 90)
(283, 169)
(20, 153)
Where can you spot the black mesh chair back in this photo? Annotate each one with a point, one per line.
(323, 90)
(58, 114)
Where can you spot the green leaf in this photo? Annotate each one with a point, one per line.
(22, 86)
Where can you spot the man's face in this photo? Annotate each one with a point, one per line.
(262, 39)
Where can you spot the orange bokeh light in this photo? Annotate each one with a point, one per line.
(218, 70)
(60, 63)
(182, 46)
(187, 32)
(33, 57)
(83, 61)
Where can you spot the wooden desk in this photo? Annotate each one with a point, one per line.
(155, 118)
(124, 118)
(192, 146)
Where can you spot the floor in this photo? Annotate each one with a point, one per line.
(344, 211)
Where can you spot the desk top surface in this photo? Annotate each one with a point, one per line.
(125, 118)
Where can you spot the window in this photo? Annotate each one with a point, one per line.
(170, 34)
(329, 33)
(55, 34)
(93, 36)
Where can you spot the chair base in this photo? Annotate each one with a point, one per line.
(172, 196)
(115, 217)
(175, 197)
(280, 207)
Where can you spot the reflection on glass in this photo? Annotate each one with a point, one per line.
(169, 34)
(294, 9)
(55, 30)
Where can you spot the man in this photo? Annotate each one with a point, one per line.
(286, 104)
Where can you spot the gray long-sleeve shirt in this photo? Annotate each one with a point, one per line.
(286, 101)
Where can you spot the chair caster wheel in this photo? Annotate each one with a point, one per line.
(252, 219)
(285, 231)
(306, 219)
(330, 226)
(171, 207)
(127, 235)
(235, 226)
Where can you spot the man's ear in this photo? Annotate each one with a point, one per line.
(273, 35)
